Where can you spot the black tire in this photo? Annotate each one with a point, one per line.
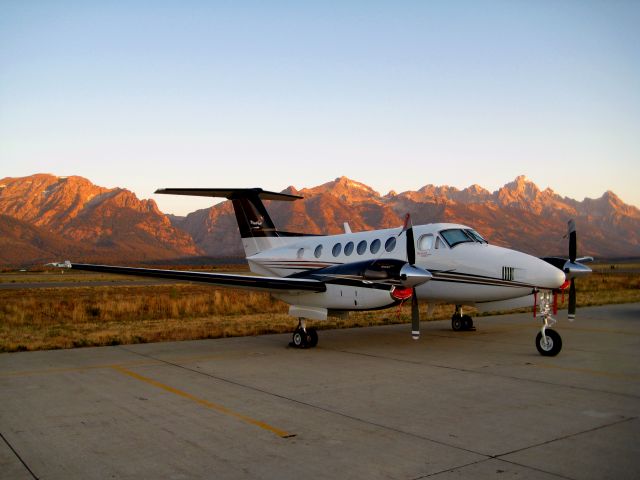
(553, 345)
(456, 322)
(299, 338)
(312, 337)
(467, 322)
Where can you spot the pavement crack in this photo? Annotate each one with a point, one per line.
(570, 435)
(24, 464)
(458, 467)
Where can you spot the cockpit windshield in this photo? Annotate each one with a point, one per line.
(476, 236)
(454, 236)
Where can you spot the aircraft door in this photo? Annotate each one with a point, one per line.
(425, 244)
(431, 249)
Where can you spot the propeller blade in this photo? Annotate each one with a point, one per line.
(572, 241)
(572, 300)
(411, 247)
(415, 316)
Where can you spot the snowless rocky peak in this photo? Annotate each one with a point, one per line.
(522, 185)
(346, 189)
(520, 191)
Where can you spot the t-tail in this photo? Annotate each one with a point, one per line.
(257, 230)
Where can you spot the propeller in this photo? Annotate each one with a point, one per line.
(573, 268)
(411, 260)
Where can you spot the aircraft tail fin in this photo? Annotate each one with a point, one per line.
(257, 230)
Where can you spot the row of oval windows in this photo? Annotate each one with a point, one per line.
(425, 242)
(389, 245)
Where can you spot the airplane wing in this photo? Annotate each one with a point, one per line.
(252, 282)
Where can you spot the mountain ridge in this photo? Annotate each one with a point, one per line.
(101, 222)
(71, 214)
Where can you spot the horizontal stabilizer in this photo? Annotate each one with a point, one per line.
(230, 193)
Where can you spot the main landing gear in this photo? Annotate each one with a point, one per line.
(304, 337)
(460, 322)
(548, 341)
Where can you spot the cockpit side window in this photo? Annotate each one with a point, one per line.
(455, 236)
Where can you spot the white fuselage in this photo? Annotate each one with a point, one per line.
(465, 273)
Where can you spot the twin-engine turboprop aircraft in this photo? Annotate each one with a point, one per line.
(330, 275)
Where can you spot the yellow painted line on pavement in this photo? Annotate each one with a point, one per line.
(205, 403)
(600, 373)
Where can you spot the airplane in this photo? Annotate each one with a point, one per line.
(330, 275)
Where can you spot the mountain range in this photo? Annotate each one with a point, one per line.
(45, 218)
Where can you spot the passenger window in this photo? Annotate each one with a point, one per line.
(318, 251)
(337, 248)
(300, 253)
(425, 242)
(375, 246)
(362, 247)
(348, 248)
(390, 244)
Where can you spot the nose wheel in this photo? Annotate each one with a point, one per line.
(550, 344)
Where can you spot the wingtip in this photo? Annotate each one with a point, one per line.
(65, 264)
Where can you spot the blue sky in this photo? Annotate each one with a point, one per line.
(143, 94)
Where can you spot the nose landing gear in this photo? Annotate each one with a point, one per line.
(548, 341)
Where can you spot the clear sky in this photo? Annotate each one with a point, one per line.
(397, 94)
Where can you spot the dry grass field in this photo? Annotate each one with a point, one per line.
(123, 313)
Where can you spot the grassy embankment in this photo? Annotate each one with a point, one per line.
(45, 318)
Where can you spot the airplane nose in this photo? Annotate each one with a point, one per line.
(549, 276)
(537, 272)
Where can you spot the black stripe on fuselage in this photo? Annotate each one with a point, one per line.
(460, 277)
(438, 276)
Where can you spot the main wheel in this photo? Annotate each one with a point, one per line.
(467, 322)
(551, 345)
(312, 337)
(456, 322)
(299, 339)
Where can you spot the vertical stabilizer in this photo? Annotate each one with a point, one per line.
(257, 230)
